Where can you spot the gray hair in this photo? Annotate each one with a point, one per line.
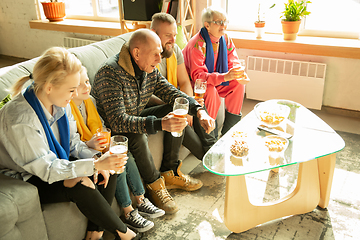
(207, 14)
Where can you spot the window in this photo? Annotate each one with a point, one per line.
(328, 18)
(105, 10)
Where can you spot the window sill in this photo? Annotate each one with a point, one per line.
(321, 46)
(79, 26)
(332, 47)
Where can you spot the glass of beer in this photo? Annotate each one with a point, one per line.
(242, 68)
(119, 145)
(242, 64)
(106, 134)
(199, 88)
(180, 110)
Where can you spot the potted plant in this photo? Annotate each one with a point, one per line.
(260, 23)
(291, 18)
(54, 10)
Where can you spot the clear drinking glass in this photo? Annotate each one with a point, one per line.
(242, 69)
(199, 88)
(242, 64)
(180, 110)
(119, 145)
(106, 133)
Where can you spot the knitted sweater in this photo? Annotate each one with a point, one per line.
(120, 100)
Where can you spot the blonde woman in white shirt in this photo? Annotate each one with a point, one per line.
(39, 134)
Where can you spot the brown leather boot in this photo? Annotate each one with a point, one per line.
(182, 181)
(161, 197)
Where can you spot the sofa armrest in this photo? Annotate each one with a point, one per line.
(20, 211)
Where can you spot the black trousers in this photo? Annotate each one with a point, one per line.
(197, 140)
(95, 204)
(138, 146)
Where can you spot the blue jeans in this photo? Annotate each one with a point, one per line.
(129, 178)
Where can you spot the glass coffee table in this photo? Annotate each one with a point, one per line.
(313, 146)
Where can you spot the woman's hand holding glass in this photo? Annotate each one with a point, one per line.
(100, 141)
(238, 73)
(115, 162)
(119, 145)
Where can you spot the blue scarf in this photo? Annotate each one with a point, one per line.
(222, 61)
(62, 151)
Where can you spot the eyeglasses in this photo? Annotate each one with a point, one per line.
(220, 22)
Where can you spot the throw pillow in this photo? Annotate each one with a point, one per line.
(180, 38)
(5, 100)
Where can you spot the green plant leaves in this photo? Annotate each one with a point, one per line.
(295, 10)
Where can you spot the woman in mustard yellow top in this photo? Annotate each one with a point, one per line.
(88, 121)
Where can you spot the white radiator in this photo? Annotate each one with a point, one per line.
(271, 78)
(76, 42)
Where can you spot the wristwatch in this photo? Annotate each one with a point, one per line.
(199, 108)
(97, 156)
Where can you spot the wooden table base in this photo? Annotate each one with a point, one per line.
(312, 189)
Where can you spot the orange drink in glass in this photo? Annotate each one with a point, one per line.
(106, 134)
(199, 88)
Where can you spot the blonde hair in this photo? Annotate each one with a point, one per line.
(83, 69)
(207, 14)
(52, 67)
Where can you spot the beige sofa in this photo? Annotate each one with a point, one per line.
(22, 216)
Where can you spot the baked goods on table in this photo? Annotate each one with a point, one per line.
(270, 113)
(239, 134)
(275, 143)
(271, 118)
(239, 148)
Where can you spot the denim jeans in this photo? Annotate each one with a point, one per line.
(129, 178)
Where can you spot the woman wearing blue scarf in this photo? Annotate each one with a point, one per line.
(39, 135)
(211, 55)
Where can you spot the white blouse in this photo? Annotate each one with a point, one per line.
(24, 149)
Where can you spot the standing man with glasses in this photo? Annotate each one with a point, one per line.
(211, 55)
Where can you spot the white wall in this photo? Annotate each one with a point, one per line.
(342, 81)
(19, 40)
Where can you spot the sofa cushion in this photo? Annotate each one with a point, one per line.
(29, 65)
(57, 217)
(91, 57)
(21, 216)
(8, 76)
(125, 36)
(110, 46)
(180, 37)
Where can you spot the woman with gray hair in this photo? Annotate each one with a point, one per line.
(211, 55)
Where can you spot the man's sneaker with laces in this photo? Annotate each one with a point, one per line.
(147, 209)
(136, 222)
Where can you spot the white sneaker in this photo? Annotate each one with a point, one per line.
(136, 222)
(147, 209)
